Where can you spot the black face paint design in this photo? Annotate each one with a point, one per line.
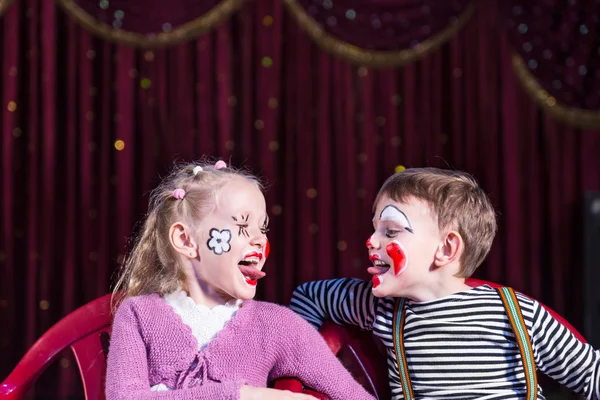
(392, 213)
(219, 241)
(243, 225)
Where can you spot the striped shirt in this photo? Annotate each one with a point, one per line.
(458, 347)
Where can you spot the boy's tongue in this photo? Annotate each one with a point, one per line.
(377, 270)
(251, 272)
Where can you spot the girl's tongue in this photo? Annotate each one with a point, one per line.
(251, 273)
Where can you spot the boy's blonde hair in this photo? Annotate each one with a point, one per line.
(152, 265)
(458, 203)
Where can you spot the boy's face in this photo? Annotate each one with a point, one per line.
(402, 248)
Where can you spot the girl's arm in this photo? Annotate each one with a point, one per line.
(304, 354)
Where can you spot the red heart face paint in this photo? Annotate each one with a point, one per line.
(398, 257)
(267, 249)
(376, 281)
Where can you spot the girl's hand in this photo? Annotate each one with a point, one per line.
(259, 393)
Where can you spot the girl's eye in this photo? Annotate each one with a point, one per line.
(264, 230)
(243, 230)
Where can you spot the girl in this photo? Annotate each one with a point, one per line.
(186, 326)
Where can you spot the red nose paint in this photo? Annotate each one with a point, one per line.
(267, 250)
(397, 255)
(376, 281)
(369, 244)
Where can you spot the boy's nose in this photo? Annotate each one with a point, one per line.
(372, 242)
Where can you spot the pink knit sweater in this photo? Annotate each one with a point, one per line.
(150, 344)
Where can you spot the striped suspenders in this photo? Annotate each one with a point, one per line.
(398, 332)
(517, 323)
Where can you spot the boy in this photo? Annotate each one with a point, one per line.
(433, 228)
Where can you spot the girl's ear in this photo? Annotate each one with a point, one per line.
(182, 240)
(449, 250)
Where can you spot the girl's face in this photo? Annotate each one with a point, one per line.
(232, 243)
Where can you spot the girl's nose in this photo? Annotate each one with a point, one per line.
(259, 240)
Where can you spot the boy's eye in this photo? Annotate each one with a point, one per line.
(391, 233)
(264, 230)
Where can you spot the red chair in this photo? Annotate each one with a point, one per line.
(364, 356)
(86, 331)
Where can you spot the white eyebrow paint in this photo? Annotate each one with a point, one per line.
(392, 213)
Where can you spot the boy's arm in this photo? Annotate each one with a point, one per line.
(345, 301)
(560, 355)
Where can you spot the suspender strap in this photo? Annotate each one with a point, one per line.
(398, 333)
(518, 325)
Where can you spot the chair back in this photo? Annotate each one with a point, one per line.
(86, 331)
(362, 354)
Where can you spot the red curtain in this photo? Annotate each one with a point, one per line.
(88, 127)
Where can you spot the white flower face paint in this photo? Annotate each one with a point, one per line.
(219, 241)
(393, 214)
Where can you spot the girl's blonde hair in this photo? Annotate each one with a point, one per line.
(152, 265)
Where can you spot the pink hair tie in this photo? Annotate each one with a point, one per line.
(220, 164)
(179, 194)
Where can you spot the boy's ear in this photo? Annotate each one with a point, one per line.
(450, 249)
(182, 240)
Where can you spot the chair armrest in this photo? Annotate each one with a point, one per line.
(295, 385)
